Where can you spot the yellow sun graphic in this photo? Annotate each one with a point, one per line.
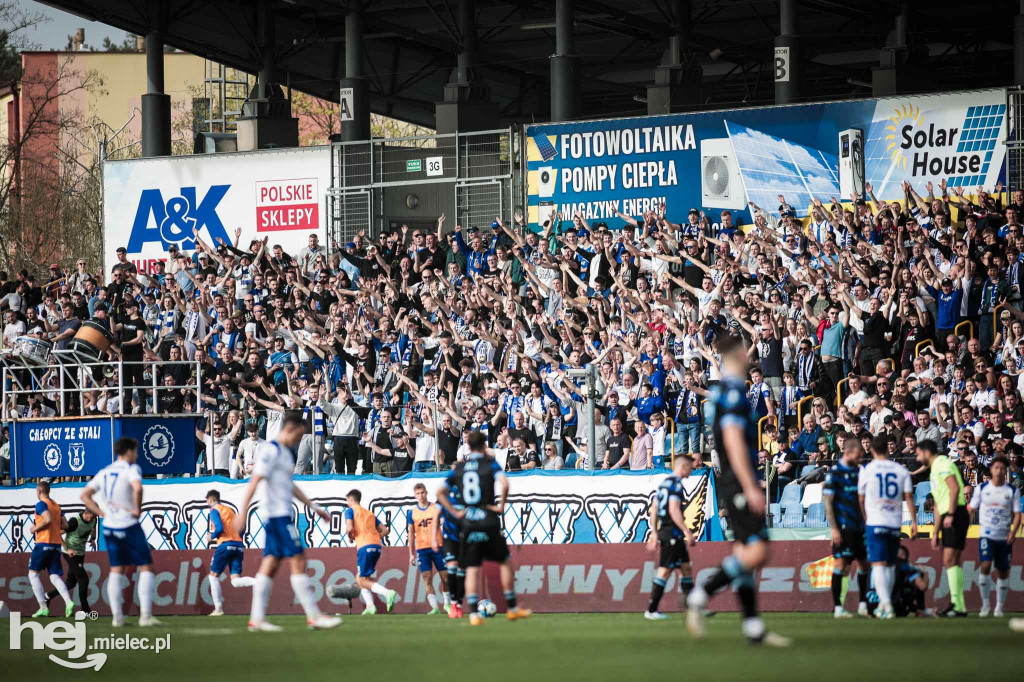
(904, 113)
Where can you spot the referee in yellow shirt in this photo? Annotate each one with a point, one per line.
(951, 520)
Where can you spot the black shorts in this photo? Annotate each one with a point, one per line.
(449, 550)
(851, 546)
(747, 527)
(482, 543)
(956, 537)
(674, 552)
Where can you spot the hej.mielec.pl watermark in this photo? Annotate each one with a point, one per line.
(70, 638)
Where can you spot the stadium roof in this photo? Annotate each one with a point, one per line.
(411, 47)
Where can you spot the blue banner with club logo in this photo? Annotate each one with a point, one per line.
(82, 446)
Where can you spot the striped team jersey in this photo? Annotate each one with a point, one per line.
(421, 522)
(222, 525)
(364, 526)
(50, 534)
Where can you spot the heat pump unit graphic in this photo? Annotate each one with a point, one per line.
(720, 182)
(851, 162)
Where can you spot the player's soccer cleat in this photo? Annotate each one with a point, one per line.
(69, 610)
(695, 603)
(862, 610)
(392, 596)
(149, 622)
(433, 612)
(998, 613)
(985, 612)
(455, 611)
(657, 615)
(951, 612)
(885, 613)
(117, 622)
(840, 613)
(369, 611)
(263, 626)
(323, 622)
(776, 640)
(217, 612)
(476, 619)
(516, 613)
(41, 613)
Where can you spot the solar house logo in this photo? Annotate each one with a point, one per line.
(944, 145)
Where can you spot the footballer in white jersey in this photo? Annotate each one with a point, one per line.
(996, 506)
(275, 462)
(115, 493)
(882, 487)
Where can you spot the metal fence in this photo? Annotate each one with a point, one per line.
(470, 177)
(1014, 140)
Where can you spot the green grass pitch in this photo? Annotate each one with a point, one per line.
(585, 647)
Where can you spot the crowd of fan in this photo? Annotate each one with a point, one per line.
(396, 347)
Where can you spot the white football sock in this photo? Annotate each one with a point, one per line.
(114, 587)
(215, 592)
(145, 594)
(379, 590)
(880, 574)
(260, 597)
(366, 596)
(432, 600)
(238, 581)
(984, 587)
(300, 585)
(1002, 589)
(62, 589)
(447, 596)
(37, 588)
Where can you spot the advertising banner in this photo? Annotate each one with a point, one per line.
(150, 204)
(722, 160)
(544, 508)
(81, 447)
(560, 578)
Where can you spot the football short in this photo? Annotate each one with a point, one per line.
(997, 551)
(956, 537)
(282, 538)
(747, 527)
(482, 543)
(127, 546)
(427, 559)
(227, 556)
(851, 546)
(450, 550)
(674, 552)
(883, 544)
(46, 557)
(367, 557)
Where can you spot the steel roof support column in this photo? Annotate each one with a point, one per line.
(355, 96)
(156, 104)
(564, 66)
(788, 69)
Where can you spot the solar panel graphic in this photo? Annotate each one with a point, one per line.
(771, 166)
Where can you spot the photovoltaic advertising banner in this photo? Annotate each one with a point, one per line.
(722, 160)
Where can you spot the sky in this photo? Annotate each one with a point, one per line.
(53, 34)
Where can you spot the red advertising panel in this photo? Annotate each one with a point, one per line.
(552, 578)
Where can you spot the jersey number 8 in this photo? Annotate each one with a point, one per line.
(471, 487)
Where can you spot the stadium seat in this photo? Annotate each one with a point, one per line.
(775, 509)
(570, 460)
(812, 494)
(921, 491)
(816, 516)
(924, 517)
(790, 494)
(792, 515)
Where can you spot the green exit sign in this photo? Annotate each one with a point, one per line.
(413, 166)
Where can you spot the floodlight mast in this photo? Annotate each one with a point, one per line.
(589, 375)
